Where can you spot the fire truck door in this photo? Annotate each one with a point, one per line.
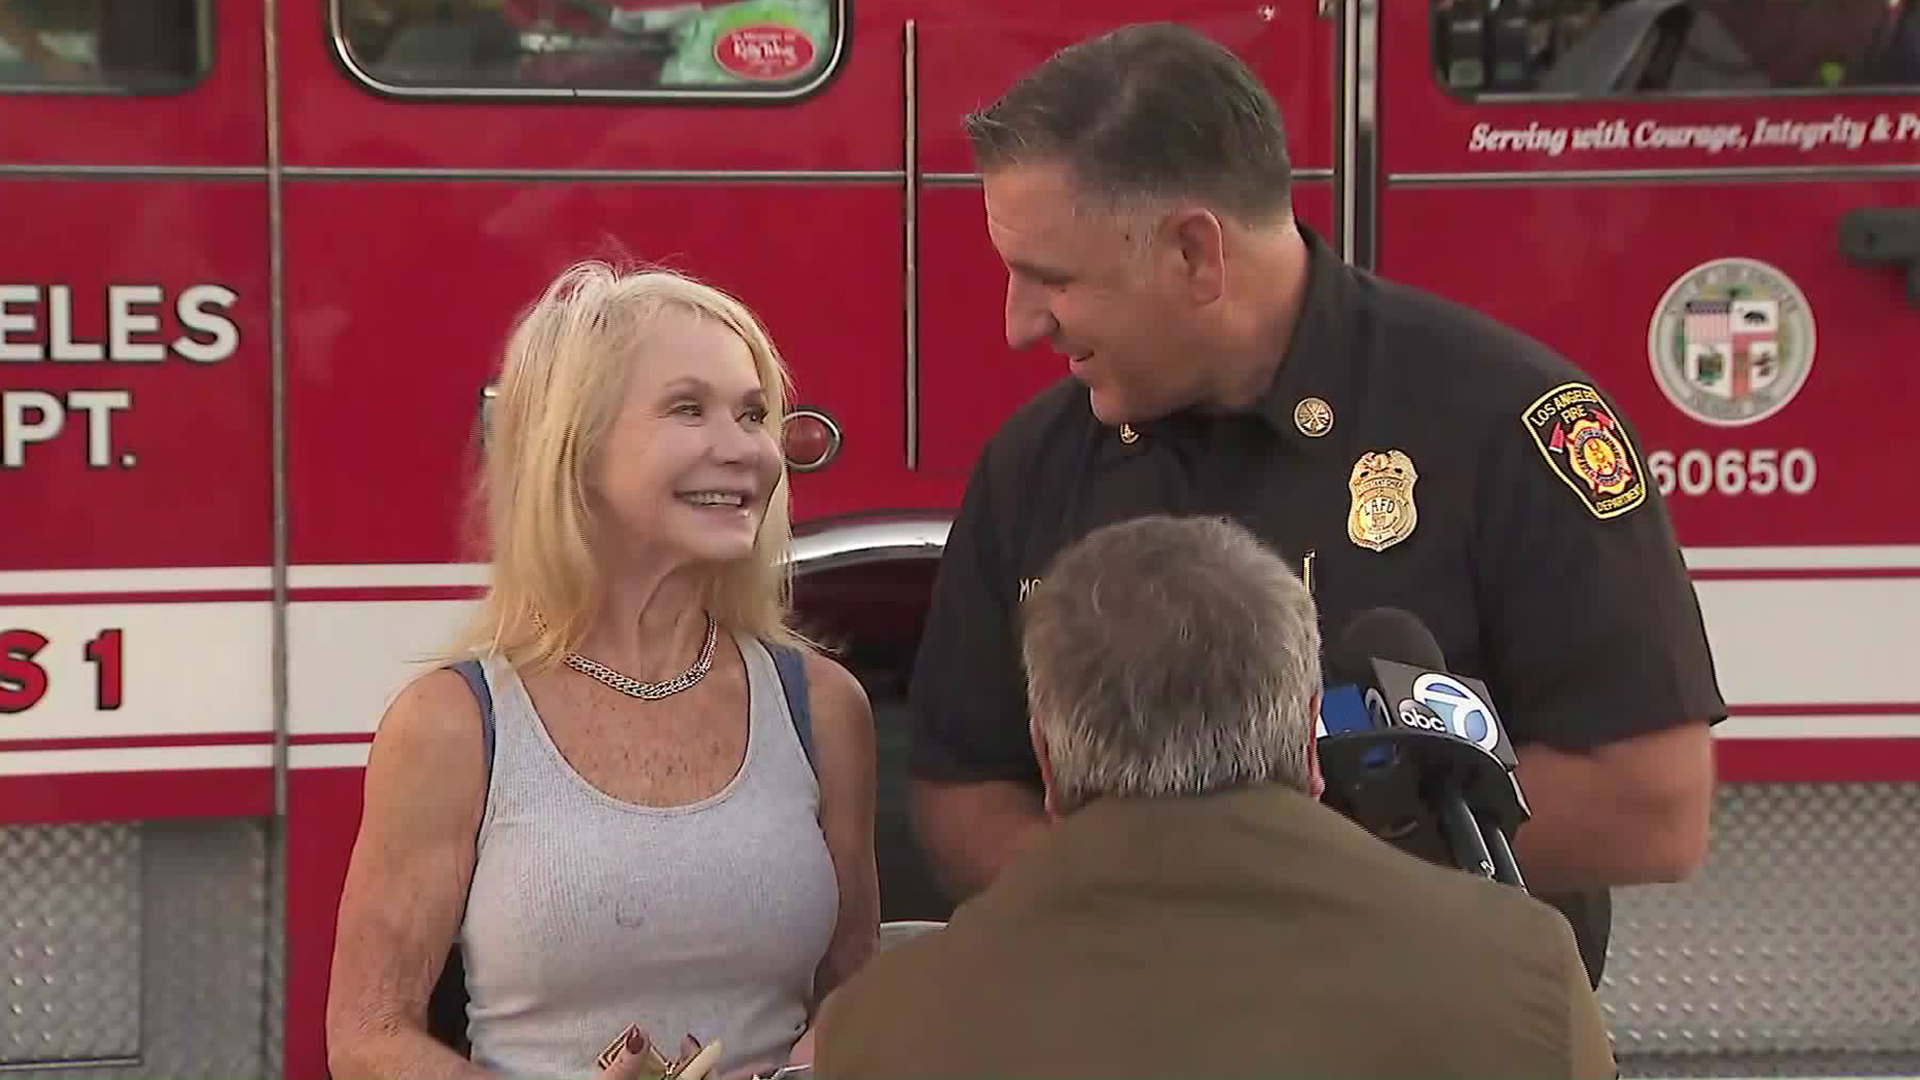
(964, 382)
(137, 519)
(1710, 207)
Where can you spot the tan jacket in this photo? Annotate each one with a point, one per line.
(1254, 933)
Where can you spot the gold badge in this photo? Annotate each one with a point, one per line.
(1583, 441)
(1313, 416)
(1383, 513)
(1128, 435)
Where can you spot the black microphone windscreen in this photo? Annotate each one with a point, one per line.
(1388, 633)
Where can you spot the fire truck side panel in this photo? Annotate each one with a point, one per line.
(132, 380)
(136, 617)
(1808, 633)
(391, 341)
(1672, 247)
(135, 433)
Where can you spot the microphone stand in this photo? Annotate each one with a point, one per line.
(1378, 776)
(1479, 846)
(1505, 869)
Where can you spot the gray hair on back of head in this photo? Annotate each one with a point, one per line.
(1171, 656)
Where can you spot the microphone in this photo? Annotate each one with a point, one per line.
(1404, 741)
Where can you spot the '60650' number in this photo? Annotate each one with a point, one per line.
(23, 682)
(1733, 472)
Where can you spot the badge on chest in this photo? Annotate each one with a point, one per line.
(1382, 512)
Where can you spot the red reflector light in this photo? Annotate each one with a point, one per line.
(810, 439)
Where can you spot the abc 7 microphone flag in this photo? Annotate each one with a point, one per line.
(1446, 704)
(1415, 753)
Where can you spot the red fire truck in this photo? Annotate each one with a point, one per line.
(257, 257)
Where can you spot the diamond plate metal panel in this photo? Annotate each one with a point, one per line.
(206, 963)
(201, 968)
(1795, 951)
(69, 943)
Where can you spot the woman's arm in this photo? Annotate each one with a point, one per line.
(845, 760)
(406, 885)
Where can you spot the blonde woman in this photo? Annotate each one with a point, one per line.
(640, 836)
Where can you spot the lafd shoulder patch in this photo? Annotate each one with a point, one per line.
(1583, 441)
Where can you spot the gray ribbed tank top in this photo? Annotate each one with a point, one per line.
(588, 913)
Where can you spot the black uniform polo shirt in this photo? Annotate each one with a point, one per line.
(1409, 453)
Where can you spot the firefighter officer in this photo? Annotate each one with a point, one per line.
(1398, 449)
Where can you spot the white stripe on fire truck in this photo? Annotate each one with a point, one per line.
(1835, 557)
(386, 575)
(329, 756)
(154, 580)
(127, 759)
(1889, 726)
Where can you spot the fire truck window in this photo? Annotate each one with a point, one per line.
(1602, 48)
(664, 47)
(104, 46)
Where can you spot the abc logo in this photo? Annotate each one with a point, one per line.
(1457, 709)
(1415, 715)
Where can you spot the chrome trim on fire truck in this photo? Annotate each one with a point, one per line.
(277, 368)
(353, 172)
(792, 93)
(1359, 130)
(911, 196)
(170, 172)
(1728, 172)
(853, 543)
(273, 949)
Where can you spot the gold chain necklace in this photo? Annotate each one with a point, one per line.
(647, 691)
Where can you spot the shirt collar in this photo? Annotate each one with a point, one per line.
(1313, 386)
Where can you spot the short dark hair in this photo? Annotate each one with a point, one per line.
(1155, 110)
(1170, 656)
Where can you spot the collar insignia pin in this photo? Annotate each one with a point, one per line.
(1313, 416)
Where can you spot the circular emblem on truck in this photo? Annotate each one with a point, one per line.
(1731, 342)
(763, 52)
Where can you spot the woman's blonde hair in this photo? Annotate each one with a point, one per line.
(561, 385)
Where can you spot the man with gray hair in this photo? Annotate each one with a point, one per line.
(1192, 909)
